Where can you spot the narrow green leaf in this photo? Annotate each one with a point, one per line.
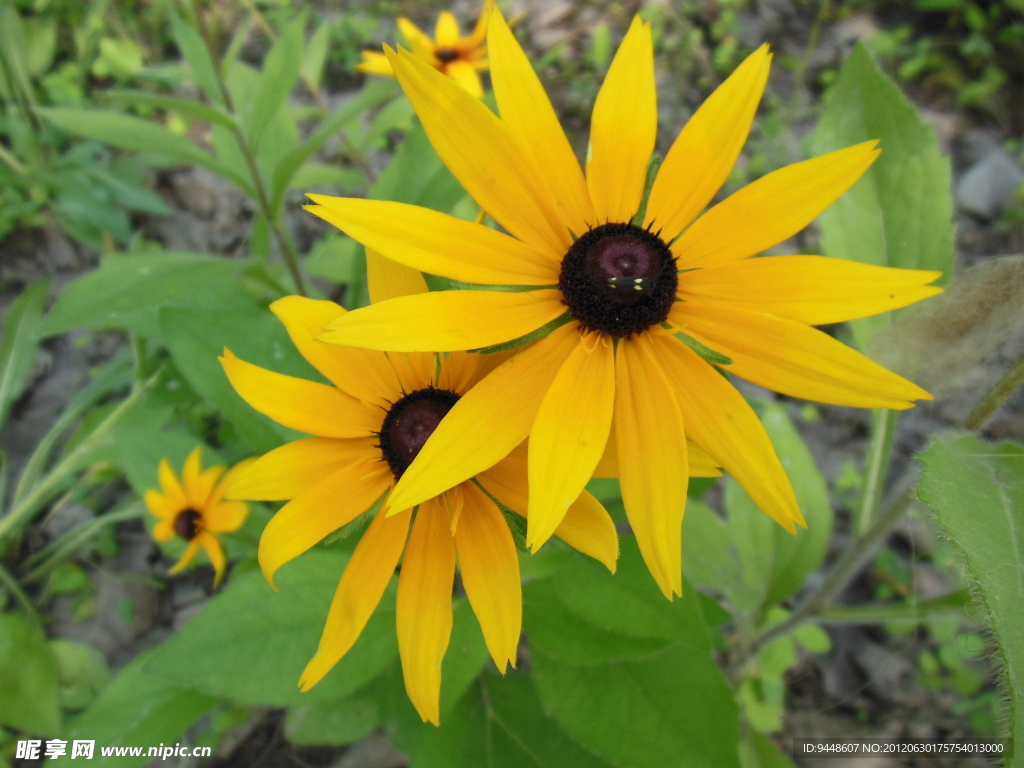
(277, 79)
(315, 55)
(28, 678)
(197, 55)
(540, 333)
(417, 176)
(976, 490)
(21, 340)
(758, 751)
(173, 103)
(138, 709)
(900, 212)
(458, 285)
(333, 723)
(706, 352)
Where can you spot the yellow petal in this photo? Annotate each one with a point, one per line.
(446, 321)
(652, 460)
(158, 504)
(719, 418)
(487, 422)
(465, 74)
(423, 610)
(490, 574)
(190, 475)
(527, 111)
(387, 279)
(304, 405)
(164, 530)
(446, 33)
(810, 289)
(459, 370)
(569, 434)
(772, 208)
(335, 501)
(215, 552)
(225, 516)
(795, 359)
(285, 472)
(374, 63)
(479, 33)
(704, 153)
(699, 462)
(218, 492)
(416, 370)
(436, 242)
(169, 484)
(483, 155)
(357, 372)
(186, 557)
(623, 128)
(201, 491)
(414, 36)
(366, 576)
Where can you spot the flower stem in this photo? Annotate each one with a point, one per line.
(996, 396)
(875, 465)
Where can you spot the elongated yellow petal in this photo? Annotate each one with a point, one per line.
(375, 63)
(363, 374)
(414, 36)
(488, 422)
(200, 492)
(719, 418)
(169, 484)
(158, 504)
(217, 495)
(336, 500)
(225, 516)
(795, 359)
(186, 557)
(483, 155)
(416, 370)
(215, 552)
(164, 530)
(362, 585)
(459, 370)
(569, 434)
(652, 460)
(446, 33)
(304, 405)
(285, 472)
(810, 289)
(466, 75)
(772, 208)
(699, 462)
(587, 526)
(387, 279)
(479, 33)
(704, 153)
(527, 111)
(446, 321)
(423, 610)
(623, 128)
(436, 242)
(490, 573)
(190, 475)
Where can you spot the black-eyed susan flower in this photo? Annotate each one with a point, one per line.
(461, 58)
(369, 425)
(645, 294)
(195, 509)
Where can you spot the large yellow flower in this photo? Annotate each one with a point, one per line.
(195, 509)
(370, 424)
(625, 283)
(461, 58)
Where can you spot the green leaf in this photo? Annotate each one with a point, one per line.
(758, 751)
(21, 340)
(500, 723)
(540, 333)
(333, 723)
(128, 282)
(900, 212)
(193, 48)
(706, 352)
(315, 55)
(83, 672)
(417, 176)
(172, 103)
(197, 337)
(976, 490)
(610, 650)
(28, 678)
(251, 644)
(140, 135)
(138, 709)
(277, 79)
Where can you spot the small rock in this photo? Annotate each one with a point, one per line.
(375, 751)
(885, 669)
(856, 28)
(987, 184)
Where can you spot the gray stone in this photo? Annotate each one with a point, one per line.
(987, 184)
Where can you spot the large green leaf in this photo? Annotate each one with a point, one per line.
(251, 643)
(21, 340)
(29, 692)
(630, 678)
(900, 212)
(197, 337)
(417, 176)
(197, 55)
(277, 79)
(125, 283)
(976, 490)
(138, 709)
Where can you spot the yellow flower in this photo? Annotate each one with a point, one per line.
(195, 509)
(461, 58)
(624, 290)
(369, 425)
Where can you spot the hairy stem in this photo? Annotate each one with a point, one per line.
(875, 465)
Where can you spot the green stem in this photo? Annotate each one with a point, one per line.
(908, 610)
(875, 466)
(290, 257)
(12, 161)
(1000, 392)
(12, 586)
(824, 7)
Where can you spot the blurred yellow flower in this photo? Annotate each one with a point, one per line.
(645, 293)
(194, 509)
(461, 58)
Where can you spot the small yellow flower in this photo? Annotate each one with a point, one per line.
(645, 294)
(195, 509)
(461, 58)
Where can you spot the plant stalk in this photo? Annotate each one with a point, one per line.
(1000, 392)
(875, 467)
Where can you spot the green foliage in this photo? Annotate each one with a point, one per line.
(976, 490)
(29, 693)
(21, 340)
(83, 673)
(899, 213)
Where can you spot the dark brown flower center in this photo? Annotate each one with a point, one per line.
(619, 278)
(409, 423)
(446, 55)
(186, 524)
